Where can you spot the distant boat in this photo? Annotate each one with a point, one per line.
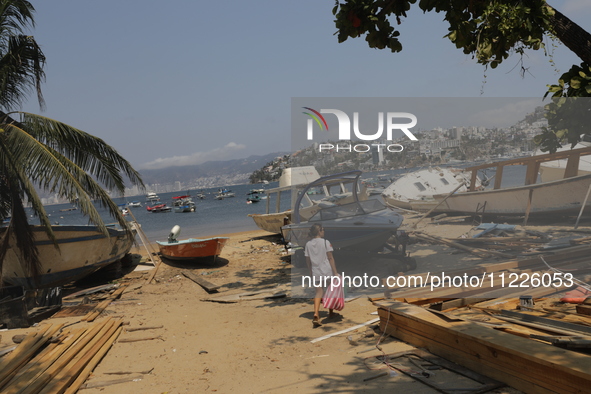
(254, 196)
(183, 204)
(158, 208)
(192, 248)
(134, 204)
(152, 197)
(224, 193)
(82, 251)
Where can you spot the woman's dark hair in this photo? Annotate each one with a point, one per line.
(315, 230)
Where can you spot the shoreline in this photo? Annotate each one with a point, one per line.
(193, 340)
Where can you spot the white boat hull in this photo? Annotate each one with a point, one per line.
(417, 188)
(82, 251)
(563, 196)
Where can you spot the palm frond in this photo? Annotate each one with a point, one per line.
(21, 71)
(15, 17)
(56, 173)
(88, 152)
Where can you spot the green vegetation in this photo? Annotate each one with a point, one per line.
(490, 31)
(38, 152)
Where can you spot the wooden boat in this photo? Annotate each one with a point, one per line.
(565, 196)
(82, 251)
(192, 248)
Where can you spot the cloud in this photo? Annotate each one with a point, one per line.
(226, 152)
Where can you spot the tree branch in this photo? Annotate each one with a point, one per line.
(573, 36)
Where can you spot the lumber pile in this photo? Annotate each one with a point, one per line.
(525, 337)
(57, 359)
(523, 363)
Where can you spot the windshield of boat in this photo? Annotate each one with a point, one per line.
(348, 210)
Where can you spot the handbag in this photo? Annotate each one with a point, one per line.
(334, 297)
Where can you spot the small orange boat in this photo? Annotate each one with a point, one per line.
(192, 248)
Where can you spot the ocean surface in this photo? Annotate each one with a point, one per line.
(213, 217)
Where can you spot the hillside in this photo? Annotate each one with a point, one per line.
(190, 174)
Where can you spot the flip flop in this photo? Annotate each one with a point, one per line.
(316, 322)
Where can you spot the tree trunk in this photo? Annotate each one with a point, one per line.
(573, 36)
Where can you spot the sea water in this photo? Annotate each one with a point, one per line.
(213, 217)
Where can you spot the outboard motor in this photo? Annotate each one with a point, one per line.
(174, 233)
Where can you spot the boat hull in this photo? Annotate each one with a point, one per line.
(564, 196)
(82, 251)
(192, 249)
(364, 232)
(271, 222)
(419, 187)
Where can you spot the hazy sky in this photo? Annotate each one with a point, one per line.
(185, 81)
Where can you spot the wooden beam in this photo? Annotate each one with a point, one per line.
(572, 166)
(498, 177)
(531, 174)
(537, 158)
(473, 180)
(207, 285)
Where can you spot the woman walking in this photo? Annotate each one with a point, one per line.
(318, 252)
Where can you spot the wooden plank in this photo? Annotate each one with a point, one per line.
(584, 309)
(346, 330)
(498, 177)
(531, 174)
(255, 295)
(207, 285)
(537, 158)
(473, 179)
(572, 166)
(519, 362)
(456, 303)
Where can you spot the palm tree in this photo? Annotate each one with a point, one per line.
(40, 153)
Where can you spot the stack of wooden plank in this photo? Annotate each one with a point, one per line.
(518, 336)
(57, 359)
(523, 363)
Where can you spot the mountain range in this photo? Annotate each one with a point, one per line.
(228, 168)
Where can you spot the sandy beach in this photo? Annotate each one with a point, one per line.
(257, 344)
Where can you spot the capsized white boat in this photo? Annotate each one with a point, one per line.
(357, 224)
(415, 190)
(82, 251)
